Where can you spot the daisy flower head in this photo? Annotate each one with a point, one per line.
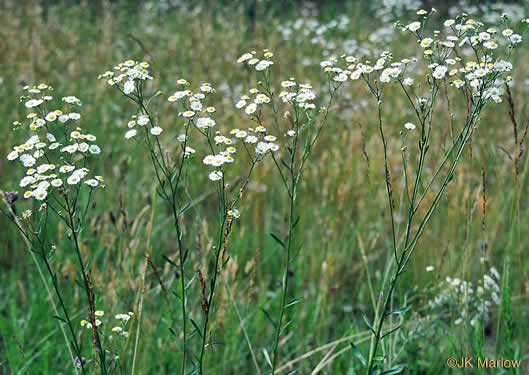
(490, 45)
(251, 108)
(39, 194)
(414, 26)
(156, 131)
(244, 57)
(130, 134)
(56, 182)
(92, 182)
(426, 42)
(215, 175)
(205, 122)
(234, 213)
(408, 81)
(73, 179)
(515, 38)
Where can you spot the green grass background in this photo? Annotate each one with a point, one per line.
(344, 210)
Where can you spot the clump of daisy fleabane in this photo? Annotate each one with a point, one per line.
(465, 55)
(197, 128)
(55, 159)
(118, 324)
(55, 152)
(128, 75)
(297, 130)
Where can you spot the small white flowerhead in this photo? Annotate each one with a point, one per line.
(56, 182)
(407, 81)
(40, 194)
(208, 160)
(414, 26)
(156, 130)
(490, 45)
(73, 179)
(251, 108)
(92, 182)
(130, 134)
(426, 42)
(215, 175)
(409, 126)
(94, 149)
(233, 213)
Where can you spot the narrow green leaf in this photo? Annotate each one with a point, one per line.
(169, 261)
(296, 221)
(155, 95)
(196, 327)
(402, 310)
(60, 319)
(267, 357)
(184, 209)
(390, 332)
(190, 281)
(368, 323)
(395, 370)
(278, 240)
(171, 329)
(163, 196)
(269, 318)
(294, 302)
(358, 354)
(287, 324)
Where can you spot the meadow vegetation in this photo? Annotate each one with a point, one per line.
(262, 187)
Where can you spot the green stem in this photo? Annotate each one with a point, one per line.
(285, 274)
(75, 239)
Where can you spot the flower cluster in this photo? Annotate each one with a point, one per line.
(480, 69)
(118, 329)
(56, 151)
(260, 64)
(127, 76)
(252, 103)
(472, 302)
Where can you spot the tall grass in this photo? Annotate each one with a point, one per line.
(264, 304)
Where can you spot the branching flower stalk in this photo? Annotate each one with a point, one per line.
(298, 139)
(479, 74)
(169, 174)
(63, 195)
(130, 81)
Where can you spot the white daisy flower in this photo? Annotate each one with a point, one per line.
(130, 134)
(39, 194)
(156, 130)
(251, 108)
(73, 179)
(215, 175)
(56, 182)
